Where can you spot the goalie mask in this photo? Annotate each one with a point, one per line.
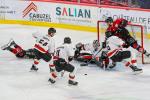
(96, 44)
(67, 40)
(51, 31)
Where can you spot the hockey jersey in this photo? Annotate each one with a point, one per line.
(65, 51)
(113, 45)
(44, 43)
(116, 24)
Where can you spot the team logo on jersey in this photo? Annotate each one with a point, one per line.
(29, 8)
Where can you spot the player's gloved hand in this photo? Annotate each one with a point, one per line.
(103, 55)
(108, 34)
(124, 45)
(103, 44)
(70, 58)
(77, 53)
(79, 46)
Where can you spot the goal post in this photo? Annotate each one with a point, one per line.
(137, 31)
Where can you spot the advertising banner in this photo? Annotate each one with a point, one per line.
(51, 12)
(31, 11)
(76, 14)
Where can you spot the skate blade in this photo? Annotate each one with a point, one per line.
(33, 71)
(73, 84)
(137, 72)
(4, 47)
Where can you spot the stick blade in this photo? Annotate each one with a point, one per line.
(84, 64)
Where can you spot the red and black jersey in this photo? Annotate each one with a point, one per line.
(116, 24)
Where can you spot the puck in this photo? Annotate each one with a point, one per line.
(85, 74)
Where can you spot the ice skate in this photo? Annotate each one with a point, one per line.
(34, 68)
(147, 54)
(70, 82)
(112, 65)
(136, 70)
(52, 81)
(8, 45)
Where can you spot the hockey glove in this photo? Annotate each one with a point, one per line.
(103, 44)
(79, 46)
(76, 54)
(125, 45)
(70, 58)
(103, 55)
(108, 34)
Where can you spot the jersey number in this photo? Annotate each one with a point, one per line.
(43, 42)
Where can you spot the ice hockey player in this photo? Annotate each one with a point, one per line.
(84, 52)
(64, 55)
(118, 28)
(44, 48)
(117, 53)
(18, 51)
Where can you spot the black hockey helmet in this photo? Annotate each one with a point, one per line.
(67, 40)
(51, 30)
(109, 20)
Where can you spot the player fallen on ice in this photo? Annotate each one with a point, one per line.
(90, 53)
(44, 48)
(118, 28)
(115, 52)
(18, 51)
(64, 55)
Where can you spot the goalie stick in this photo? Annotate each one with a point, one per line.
(86, 64)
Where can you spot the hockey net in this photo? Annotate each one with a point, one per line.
(137, 31)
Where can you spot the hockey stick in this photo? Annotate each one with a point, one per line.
(86, 64)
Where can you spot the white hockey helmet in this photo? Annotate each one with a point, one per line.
(96, 44)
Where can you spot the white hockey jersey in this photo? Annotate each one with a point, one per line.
(113, 45)
(44, 43)
(65, 51)
(88, 48)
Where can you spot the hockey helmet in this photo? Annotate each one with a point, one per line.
(67, 40)
(79, 45)
(51, 31)
(109, 20)
(96, 44)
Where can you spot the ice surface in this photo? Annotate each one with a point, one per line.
(17, 83)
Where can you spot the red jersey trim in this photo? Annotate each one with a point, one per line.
(38, 47)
